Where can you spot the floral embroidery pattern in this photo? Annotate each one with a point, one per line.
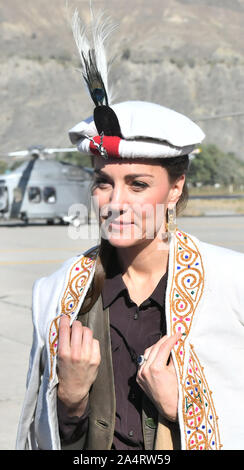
(199, 416)
(201, 428)
(186, 290)
(78, 277)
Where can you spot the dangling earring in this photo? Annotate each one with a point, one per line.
(171, 224)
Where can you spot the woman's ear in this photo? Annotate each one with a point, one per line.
(176, 190)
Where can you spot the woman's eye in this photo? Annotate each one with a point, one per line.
(139, 184)
(101, 182)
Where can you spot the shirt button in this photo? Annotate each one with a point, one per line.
(136, 314)
(131, 433)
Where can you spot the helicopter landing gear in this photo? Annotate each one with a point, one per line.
(24, 218)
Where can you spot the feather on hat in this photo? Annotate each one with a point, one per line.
(132, 129)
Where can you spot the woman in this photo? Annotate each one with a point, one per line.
(130, 338)
(119, 188)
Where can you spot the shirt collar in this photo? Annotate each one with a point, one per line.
(114, 286)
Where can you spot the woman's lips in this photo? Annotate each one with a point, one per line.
(120, 224)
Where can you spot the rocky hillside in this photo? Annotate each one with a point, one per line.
(185, 54)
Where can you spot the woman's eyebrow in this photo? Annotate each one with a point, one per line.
(135, 175)
(130, 175)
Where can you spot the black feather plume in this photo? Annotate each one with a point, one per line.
(95, 71)
(94, 80)
(106, 121)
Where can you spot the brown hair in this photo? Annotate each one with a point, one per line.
(176, 167)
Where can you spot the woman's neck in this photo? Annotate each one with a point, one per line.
(144, 261)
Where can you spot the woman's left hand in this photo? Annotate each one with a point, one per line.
(157, 377)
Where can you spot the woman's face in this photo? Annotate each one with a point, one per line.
(132, 198)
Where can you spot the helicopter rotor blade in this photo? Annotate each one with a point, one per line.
(60, 150)
(39, 152)
(20, 154)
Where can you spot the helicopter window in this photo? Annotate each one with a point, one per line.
(34, 194)
(3, 199)
(49, 195)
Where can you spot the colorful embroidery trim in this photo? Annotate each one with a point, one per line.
(201, 426)
(78, 277)
(199, 416)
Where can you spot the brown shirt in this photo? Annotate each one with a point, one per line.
(133, 329)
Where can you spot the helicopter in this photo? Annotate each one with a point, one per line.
(44, 188)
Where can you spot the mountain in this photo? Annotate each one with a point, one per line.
(184, 54)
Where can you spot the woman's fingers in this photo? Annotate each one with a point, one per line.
(78, 361)
(150, 353)
(157, 376)
(87, 341)
(81, 341)
(164, 350)
(64, 335)
(165, 344)
(77, 341)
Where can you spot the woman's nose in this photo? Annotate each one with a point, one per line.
(117, 202)
(117, 196)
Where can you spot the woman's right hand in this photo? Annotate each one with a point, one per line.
(78, 361)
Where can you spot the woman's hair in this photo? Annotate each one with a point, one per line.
(176, 167)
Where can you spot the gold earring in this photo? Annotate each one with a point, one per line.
(171, 224)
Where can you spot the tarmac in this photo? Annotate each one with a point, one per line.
(30, 252)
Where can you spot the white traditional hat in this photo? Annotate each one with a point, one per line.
(132, 129)
(148, 130)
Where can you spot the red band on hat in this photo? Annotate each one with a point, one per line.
(108, 143)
